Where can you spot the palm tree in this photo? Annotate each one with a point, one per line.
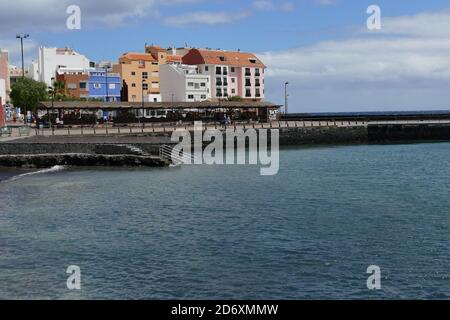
(60, 89)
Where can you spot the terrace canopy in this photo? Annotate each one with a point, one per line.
(262, 110)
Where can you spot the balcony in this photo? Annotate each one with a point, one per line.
(257, 84)
(219, 83)
(225, 83)
(248, 84)
(218, 71)
(258, 74)
(225, 72)
(248, 73)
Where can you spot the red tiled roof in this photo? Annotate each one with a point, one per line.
(132, 56)
(216, 57)
(174, 58)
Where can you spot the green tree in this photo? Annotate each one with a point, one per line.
(235, 98)
(27, 93)
(60, 90)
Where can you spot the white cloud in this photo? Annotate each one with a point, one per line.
(407, 65)
(268, 5)
(23, 15)
(204, 17)
(13, 47)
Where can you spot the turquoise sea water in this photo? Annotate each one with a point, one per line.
(225, 232)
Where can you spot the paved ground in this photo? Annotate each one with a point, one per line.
(134, 134)
(90, 139)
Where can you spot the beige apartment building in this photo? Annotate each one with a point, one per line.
(140, 73)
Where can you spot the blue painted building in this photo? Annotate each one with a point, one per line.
(104, 86)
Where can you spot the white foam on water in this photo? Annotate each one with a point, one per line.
(23, 175)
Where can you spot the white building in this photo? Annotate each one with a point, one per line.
(3, 91)
(183, 83)
(50, 59)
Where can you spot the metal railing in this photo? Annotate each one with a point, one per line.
(168, 128)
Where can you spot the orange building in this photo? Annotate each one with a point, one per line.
(140, 77)
(76, 82)
(140, 73)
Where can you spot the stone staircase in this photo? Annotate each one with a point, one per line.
(115, 149)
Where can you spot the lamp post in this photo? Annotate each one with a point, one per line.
(106, 76)
(286, 95)
(21, 37)
(52, 91)
(143, 98)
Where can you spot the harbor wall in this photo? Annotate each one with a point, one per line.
(288, 137)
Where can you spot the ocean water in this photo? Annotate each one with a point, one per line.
(225, 232)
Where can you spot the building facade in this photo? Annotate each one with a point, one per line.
(76, 82)
(104, 85)
(140, 77)
(232, 73)
(16, 73)
(5, 88)
(52, 59)
(183, 83)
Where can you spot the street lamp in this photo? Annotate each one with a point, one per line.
(21, 37)
(106, 75)
(143, 99)
(52, 92)
(286, 95)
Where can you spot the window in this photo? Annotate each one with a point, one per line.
(112, 85)
(233, 69)
(144, 75)
(155, 84)
(190, 84)
(133, 85)
(141, 64)
(222, 58)
(258, 93)
(218, 70)
(248, 93)
(233, 80)
(206, 68)
(203, 96)
(248, 72)
(145, 86)
(133, 73)
(155, 63)
(202, 84)
(233, 91)
(155, 99)
(197, 86)
(191, 97)
(71, 86)
(219, 92)
(96, 86)
(252, 61)
(83, 85)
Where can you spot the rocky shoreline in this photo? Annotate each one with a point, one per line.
(80, 159)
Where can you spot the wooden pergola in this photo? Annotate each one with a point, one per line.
(262, 109)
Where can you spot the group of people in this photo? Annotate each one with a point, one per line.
(227, 120)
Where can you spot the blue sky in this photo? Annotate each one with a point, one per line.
(318, 45)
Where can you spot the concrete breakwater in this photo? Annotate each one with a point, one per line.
(143, 150)
(83, 160)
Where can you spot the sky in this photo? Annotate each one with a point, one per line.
(323, 48)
